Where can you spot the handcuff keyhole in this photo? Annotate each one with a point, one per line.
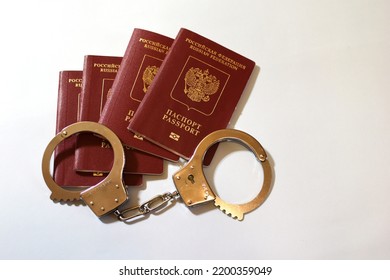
(191, 178)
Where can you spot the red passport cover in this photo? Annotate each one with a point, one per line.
(93, 154)
(194, 93)
(69, 89)
(144, 54)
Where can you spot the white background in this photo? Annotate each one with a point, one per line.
(319, 104)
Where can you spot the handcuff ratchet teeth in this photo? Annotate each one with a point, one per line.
(190, 182)
(193, 187)
(103, 197)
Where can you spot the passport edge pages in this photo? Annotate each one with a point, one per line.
(69, 88)
(94, 154)
(144, 54)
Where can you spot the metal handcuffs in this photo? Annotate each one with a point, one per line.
(190, 182)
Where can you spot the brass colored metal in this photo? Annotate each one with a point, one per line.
(103, 197)
(194, 188)
(190, 182)
(154, 204)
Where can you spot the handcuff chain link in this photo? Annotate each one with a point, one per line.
(149, 206)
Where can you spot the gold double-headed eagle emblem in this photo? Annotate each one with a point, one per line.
(199, 84)
(148, 76)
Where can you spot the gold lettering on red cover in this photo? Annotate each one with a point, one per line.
(129, 115)
(107, 67)
(105, 144)
(219, 57)
(201, 48)
(182, 123)
(153, 45)
(75, 82)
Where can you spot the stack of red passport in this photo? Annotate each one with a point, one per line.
(161, 99)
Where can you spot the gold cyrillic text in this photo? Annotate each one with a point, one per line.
(182, 122)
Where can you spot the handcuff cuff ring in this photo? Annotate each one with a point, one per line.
(106, 195)
(192, 184)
